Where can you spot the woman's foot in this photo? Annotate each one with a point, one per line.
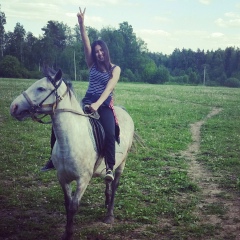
(48, 166)
(109, 175)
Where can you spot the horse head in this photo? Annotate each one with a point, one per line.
(40, 98)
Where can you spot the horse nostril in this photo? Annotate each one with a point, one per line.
(14, 108)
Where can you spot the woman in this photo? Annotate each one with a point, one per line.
(103, 77)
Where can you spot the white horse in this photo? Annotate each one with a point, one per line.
(73, 155)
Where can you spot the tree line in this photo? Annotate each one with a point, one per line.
(23, 55)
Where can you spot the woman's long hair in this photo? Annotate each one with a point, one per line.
(107, 60)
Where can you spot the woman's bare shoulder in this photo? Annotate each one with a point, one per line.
(115, 66)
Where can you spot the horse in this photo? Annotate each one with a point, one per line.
(74, 154)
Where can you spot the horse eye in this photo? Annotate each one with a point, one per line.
(41, 89)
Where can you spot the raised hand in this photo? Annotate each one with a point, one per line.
(80, 15)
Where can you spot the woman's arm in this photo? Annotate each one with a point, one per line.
(109, 88)
(85, 39)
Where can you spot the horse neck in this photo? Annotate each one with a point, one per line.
(68, 124)
(70, 102)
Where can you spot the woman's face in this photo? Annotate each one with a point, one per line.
(99, 53)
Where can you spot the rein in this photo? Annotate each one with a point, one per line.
(38, 108)
(94, 115)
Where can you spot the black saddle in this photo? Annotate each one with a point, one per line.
(97, 130)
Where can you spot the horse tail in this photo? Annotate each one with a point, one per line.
(137, 139)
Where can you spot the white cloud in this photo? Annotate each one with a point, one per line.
(33, 11)
(232, 15)
(234, 23)
(146, 32)
(238, 5)
(100, 3)
(205, 2)
(161, 19)
(217, 35)
(233, 20)
(97, 22)
(220, 22)
(190, 33)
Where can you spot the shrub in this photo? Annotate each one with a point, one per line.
(232, 82)
(211, 83)
(160, 76)
(128, 74)
(24, 73)
(10, 67)
(124, 79)
(35, 74)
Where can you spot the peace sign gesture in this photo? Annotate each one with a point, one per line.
(80, 15)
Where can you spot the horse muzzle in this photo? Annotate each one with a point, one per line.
(18, 113)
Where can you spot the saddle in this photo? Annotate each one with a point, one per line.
(97, 132)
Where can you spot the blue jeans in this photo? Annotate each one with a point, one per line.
(108, 122)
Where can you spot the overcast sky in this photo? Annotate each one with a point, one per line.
(163, 24)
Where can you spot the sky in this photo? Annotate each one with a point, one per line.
(163, 25)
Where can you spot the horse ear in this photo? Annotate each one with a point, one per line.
(58, 75)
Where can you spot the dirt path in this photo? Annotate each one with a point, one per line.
(212, 195)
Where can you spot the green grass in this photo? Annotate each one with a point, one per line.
(156, 198)
(221, 148)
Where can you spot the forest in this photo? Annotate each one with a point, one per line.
(23, 55)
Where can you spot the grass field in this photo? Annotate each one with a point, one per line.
(159, 196)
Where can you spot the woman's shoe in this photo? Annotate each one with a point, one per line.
(109, 175)
(48, 166)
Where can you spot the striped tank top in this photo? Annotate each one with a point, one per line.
(98, 81)
(97, 84)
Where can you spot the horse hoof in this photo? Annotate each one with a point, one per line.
(109, 220)
(67, 236)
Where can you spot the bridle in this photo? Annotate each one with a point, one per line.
(37, 109)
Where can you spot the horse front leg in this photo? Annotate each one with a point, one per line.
(72, 204)
(67, 191)
(111, 188)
